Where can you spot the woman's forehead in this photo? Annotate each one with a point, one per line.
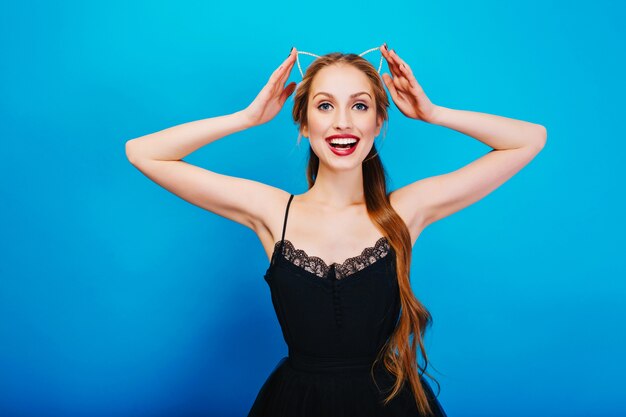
(340, 82)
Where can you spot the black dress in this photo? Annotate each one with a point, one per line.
(334, 320)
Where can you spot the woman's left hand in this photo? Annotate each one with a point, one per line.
(405, 90)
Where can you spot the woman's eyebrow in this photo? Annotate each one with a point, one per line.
(351, 95)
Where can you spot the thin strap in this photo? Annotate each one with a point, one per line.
(282, 239)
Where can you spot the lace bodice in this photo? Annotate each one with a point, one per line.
(318, 267)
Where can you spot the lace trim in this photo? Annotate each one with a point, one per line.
(318, 267)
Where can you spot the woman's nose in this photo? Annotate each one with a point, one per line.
(342, 120)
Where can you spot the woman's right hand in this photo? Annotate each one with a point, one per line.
(270, 100)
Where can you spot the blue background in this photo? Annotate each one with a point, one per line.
(119, 298)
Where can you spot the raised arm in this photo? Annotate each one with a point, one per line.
(160, 155)
(515, 143)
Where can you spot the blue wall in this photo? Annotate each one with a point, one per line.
(119, 298)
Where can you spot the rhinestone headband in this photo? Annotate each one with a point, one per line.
(317, 56)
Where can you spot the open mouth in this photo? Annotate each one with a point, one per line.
(343, 143)
(342, 146)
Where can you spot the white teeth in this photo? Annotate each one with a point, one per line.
(342, 141)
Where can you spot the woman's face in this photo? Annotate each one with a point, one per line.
(333, 110)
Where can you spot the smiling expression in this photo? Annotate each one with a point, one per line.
(341, 102)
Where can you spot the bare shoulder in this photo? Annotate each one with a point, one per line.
(413, 216)
(269, 214)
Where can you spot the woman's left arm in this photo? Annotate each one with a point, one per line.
(501, 133)
(515, 143)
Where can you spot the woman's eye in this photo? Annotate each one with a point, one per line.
(357, 104)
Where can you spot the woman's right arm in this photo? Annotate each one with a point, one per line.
(174, 143)
(159, 157)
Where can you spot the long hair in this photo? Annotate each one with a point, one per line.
(399, 353)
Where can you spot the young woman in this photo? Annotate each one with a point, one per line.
(340, 253)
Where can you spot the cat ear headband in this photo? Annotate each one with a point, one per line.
(361, 54)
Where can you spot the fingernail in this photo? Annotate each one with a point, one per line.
(290, 51)
(386, 49)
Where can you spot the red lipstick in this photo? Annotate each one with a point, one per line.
(342, 149)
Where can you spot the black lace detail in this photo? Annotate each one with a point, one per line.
(318, 267)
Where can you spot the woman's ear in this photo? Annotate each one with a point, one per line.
(304, 131)
(379, 125)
